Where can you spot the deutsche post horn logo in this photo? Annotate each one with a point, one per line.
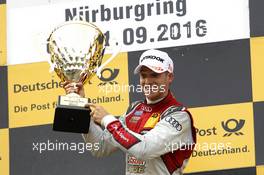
(108, 79)
(228, 127)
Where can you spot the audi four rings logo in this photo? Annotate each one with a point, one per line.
(173, 122)
(146, 108)
(230, 130)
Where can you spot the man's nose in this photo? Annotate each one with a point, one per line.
(147, 81)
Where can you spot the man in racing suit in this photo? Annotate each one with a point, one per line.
(157, 134)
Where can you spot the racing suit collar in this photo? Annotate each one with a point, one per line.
(155, 101)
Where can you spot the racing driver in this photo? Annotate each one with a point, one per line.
(157, 134)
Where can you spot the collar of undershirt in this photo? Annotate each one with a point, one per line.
(149, 102)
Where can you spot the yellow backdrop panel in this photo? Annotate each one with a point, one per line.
(33, 91)
(257, 65)
(260, 170)
(225, 137)
(4, 152)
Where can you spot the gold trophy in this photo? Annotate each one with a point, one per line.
(76, 49)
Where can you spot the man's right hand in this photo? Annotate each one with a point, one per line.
(71, 87)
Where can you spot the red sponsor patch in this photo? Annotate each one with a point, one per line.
(121, 135)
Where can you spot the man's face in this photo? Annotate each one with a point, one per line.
(155, 85)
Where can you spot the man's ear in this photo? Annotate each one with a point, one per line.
(171, 77)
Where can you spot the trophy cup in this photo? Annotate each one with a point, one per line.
(76, 49)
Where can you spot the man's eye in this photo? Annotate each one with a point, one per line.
(154, 75)
(143, 76)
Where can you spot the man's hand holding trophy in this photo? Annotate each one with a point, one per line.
(76, 49)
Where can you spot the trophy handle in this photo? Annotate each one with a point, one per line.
(116, 50)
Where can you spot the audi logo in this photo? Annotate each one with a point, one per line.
(146, 108)
(173, 122)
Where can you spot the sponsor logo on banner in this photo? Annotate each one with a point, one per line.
(107, 89)
(34, 82)
(206, 131)
(43, 89)
(113, 73)
(222, 141)
(107, 86)
(233, 130)
(238, 125)
(38, 86)
(137, 25)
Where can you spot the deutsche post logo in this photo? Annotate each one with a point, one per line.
(233, 126)
(112, 74)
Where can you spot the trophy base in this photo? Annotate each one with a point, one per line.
(71, 119)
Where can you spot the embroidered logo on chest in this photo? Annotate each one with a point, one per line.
(135, 118)
(146, 108)
(152, 121)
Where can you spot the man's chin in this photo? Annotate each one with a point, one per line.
(151, 97)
